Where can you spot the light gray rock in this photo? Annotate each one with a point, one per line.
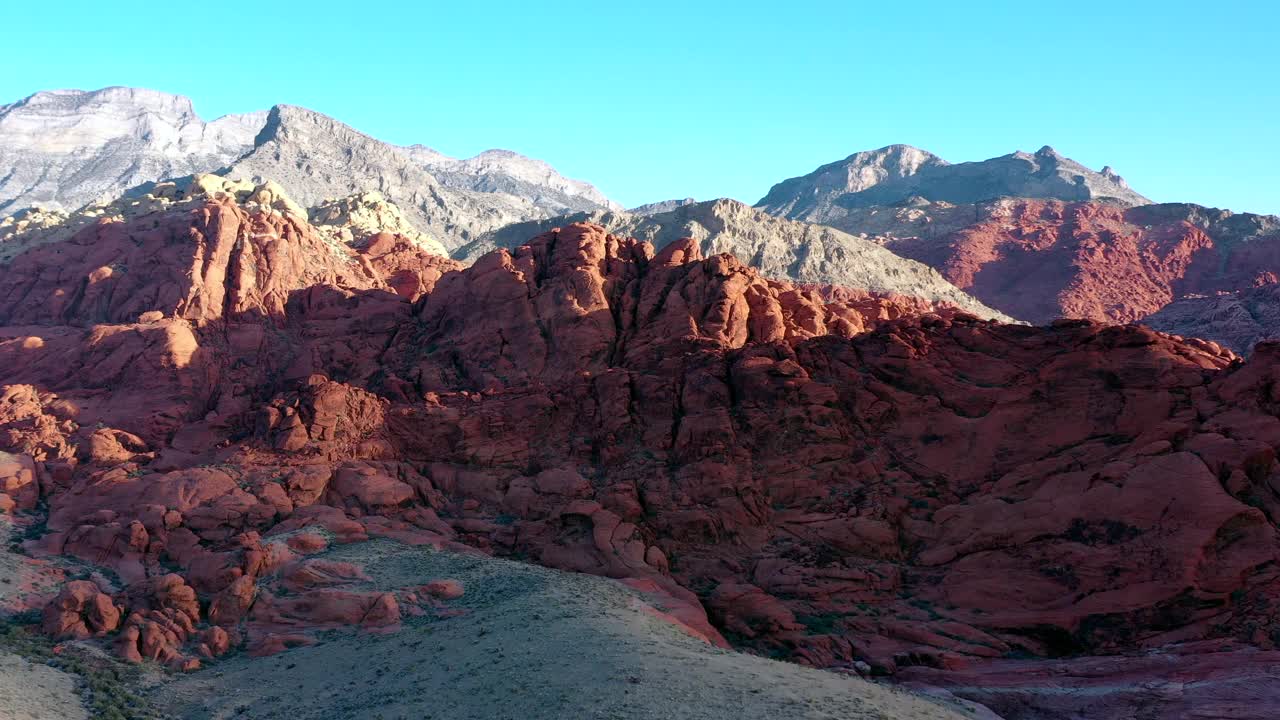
(778, 248)
(503, 171)
(65, 148)
(901, 175)
(317, 159)
(661, 206)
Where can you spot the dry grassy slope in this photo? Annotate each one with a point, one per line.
(534, 643)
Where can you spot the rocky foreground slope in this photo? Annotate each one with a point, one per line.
(198, 403)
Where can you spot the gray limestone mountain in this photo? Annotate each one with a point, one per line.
(64, 149)
(317, 159)
(901, 174)
(662, 206)
(778, 248)
(503, 171)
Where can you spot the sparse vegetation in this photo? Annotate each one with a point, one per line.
(106, 684)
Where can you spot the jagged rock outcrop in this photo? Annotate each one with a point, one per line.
(900, 173)
(204, 250)
(1038, 249)
(64, 148)
(776, 247)
(316, 158)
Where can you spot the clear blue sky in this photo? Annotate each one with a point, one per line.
(652, 100)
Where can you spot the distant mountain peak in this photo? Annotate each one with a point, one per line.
(64, 149)
(897, 174)
(661, 206)
(506, 171)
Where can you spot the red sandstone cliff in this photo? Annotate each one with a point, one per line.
(1043, 259)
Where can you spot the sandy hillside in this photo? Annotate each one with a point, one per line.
(31, 691)
(533, 643)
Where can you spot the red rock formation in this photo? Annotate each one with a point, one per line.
(80, 611)
(1039, 260)
(18, 487)
(832, 484)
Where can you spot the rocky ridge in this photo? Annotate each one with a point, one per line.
(503, 171)
(345, 224)
(663, 206)
(64, 149)
(1239, 320)
(777, 248)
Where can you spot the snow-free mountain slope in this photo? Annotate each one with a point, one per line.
(899, 173)
(504, 171)
(65, 148)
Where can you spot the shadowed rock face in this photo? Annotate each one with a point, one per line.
(828, 475)
(1238, 320)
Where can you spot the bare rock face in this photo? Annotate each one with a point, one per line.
(503, 171)
(662, 206)
(777, 248)
(1040, 260)
(1195, 680)
(65, 148)
(899, 173)
(316, 158)
(843, 478)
